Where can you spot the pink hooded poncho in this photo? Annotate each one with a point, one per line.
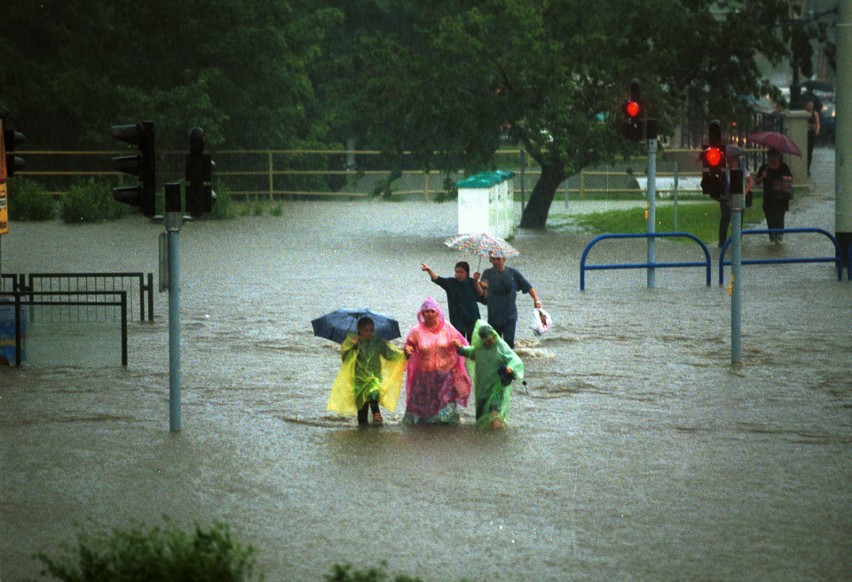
(436, 373)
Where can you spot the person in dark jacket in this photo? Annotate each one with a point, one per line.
(777, 181)
(463, 292)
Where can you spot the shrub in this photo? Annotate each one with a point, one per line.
(345, 573)
(158, 554)
(222, 207)
(29, 200)
(92, 201)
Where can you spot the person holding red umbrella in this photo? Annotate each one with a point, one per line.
(777, 181)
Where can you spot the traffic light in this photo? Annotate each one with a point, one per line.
(714, 159)
(633, 111)
(142, 196)
(11, 138)
(199, 176)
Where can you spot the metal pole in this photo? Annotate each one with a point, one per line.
(523, 179)
(173, 221)
(737, 204)
(652, 196)
(843, 132)
(674, 195)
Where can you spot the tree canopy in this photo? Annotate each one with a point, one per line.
(553, 73)
(440, 78)
(239, 69)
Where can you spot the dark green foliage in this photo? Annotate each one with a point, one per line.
(223, 207)
(29, 200)
(346, 574)
(425, 77)
(92, 201)
(71, 72)
(157, 554)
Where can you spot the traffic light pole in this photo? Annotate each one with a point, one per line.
(651, 132)
(173, 219)
(737, 204)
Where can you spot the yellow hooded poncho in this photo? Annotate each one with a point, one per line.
(370, 367)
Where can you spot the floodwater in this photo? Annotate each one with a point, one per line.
(637, 451)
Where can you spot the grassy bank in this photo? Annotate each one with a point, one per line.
(698, 218)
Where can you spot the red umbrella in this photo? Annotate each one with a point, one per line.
(773, 139)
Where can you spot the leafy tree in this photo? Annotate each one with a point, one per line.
(448, 75)
(237, 68)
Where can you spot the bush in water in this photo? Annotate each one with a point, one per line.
(29, 200)
(92, 201)
(157, 554)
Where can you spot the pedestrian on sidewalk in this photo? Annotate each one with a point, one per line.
(813, 129)
(777, 181)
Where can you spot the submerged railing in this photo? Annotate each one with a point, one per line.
(139, 287)
(835, 258)
(45, 298)
(647, 265)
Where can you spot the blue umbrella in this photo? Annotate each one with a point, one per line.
(341, 322)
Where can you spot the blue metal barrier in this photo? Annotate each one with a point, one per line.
(584, 267)
(836, 258)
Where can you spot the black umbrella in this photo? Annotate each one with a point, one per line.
(342, 322)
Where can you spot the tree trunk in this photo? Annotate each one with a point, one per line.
(535, 214)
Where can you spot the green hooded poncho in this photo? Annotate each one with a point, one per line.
(492, 397)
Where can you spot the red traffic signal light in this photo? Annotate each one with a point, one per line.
(632, 125)
(713, 157)
(714, 181)
(632, 109)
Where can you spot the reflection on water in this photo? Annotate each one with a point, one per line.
(636, 448)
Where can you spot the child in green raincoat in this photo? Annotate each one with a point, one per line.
(495, 366)
(371, 374)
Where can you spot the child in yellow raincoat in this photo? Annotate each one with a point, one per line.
(371, 375)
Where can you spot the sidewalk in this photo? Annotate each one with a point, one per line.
(815, 207)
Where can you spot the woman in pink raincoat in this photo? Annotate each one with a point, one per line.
(437, 380)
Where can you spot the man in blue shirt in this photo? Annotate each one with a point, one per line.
(502, 284)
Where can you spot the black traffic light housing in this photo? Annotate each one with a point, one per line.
(199, 176)
(142, 196)
(714, 159)
(11, 139)
(633, 111)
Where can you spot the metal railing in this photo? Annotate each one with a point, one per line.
(8, 282)
(647, 265)
(322, 173)
(140, 287)
(836, 258)
(32, 298)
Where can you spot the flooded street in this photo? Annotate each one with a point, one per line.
(638, 452)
